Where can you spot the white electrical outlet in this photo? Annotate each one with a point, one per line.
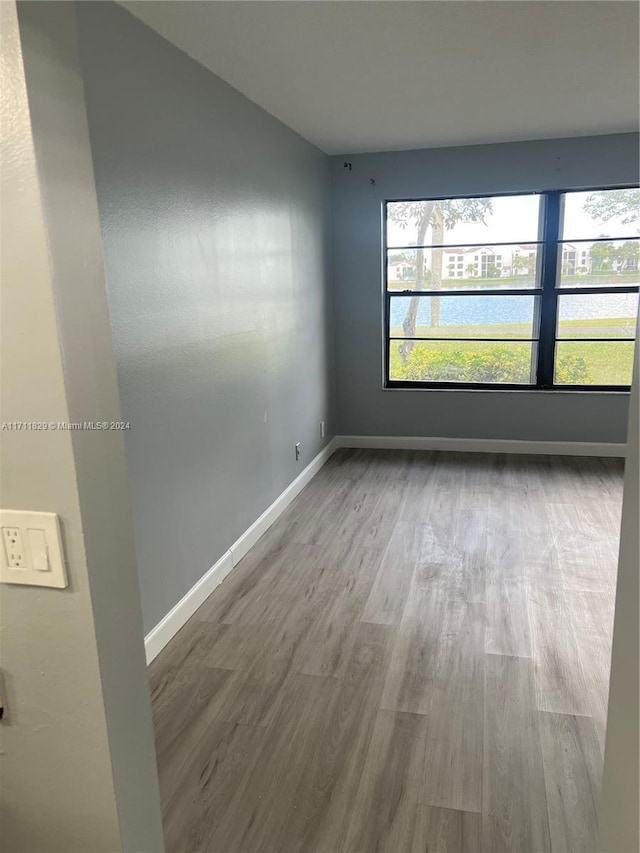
(298, 451)
(14, 547)
(31, 550)
(322, 429)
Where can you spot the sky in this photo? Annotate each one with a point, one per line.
(515, 219)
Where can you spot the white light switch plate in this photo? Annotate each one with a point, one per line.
(31, 549)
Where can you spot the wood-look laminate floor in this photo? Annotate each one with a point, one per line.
(415, 657)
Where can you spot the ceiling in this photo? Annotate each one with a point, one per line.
(375, 76)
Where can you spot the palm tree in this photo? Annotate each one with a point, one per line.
(437, 214)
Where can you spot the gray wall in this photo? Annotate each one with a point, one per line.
(364, 408)
(214, 223)
(78, 761)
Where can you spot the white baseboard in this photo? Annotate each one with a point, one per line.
(170, 624)
(249, 538)
(483, 445)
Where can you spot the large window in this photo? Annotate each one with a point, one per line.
(537, 291)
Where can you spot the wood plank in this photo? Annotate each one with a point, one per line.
(329, 503)
(514, 808)
(508, 629)
(505, 549)
(181, 660)
(198, 786)
(572, 760)
(453, 554)
(411, 677)
(177, 715)
(376, 530)
(586, 555)
(326, 648)
(384, 806)
(386, 472)
(591, 618)
(391, 587)
(452, 775)
(470, 579)
(320, 809)
(446, 831)
(259, 620)
(595, 657)
(440, 541)
(590, 613)
(253, 696)
(417, 490)
(560, 682)
(540, 562)
(242, 594)
(257, 812)
(346, 536)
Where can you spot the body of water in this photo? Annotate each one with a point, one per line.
(507, 310)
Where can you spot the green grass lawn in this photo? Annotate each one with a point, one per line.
(608, 362)
(589, 362)
(607, 327)
(524, 281)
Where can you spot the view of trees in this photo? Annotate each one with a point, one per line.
(604, 206)
(607, 256)
(621, 204)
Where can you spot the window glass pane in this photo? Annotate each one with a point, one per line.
(594, 362)
(464, 268)
(463, 316)
(601, 264)
(601, 213)
(461, 361)
(505, 219)
(598, 315)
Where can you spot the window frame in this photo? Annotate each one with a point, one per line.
(549, 246)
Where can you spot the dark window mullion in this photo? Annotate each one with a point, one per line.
(562, 340)
(387, 300)
(479, 340)
(549, 298)
(524, 243)
(606, 239)
(591, 291)
(532, 291)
